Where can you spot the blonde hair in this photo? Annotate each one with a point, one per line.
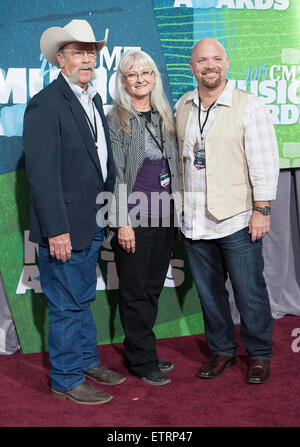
(122, 107)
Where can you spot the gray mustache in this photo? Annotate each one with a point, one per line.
(73, 75)
(84, 67)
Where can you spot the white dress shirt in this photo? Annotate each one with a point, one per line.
(262, 157)
(86, 99)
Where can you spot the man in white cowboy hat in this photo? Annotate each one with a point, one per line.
(69, 161)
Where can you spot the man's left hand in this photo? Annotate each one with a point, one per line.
(259, 226)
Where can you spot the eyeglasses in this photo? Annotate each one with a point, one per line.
(80, 54)
(133, 77)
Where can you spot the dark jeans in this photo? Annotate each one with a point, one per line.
(141, 279)
(210, 262)
(70, 288)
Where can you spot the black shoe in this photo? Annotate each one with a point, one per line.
(165, 366)
(156, 378)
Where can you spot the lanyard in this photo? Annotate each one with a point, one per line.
(93, 128)
(161, 144)
(206, 118)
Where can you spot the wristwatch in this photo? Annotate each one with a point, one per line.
(265, 210)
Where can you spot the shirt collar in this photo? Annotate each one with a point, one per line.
(224, 99)
(78, 91)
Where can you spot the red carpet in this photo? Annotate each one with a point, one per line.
(227, 401)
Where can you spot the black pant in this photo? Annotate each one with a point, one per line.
(141, 279)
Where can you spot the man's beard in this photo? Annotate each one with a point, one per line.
(211, 83)
(73, 76)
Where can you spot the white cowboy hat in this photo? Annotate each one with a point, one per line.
(76, 31)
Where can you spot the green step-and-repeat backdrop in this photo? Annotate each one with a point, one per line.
(262, 39)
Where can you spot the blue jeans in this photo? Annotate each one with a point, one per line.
(211, 261)
(70, 288)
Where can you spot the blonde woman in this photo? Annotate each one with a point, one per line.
(145, 153)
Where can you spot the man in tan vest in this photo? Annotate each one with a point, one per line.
(229, 170)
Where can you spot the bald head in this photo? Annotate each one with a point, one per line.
(209, 64)
(206, 43)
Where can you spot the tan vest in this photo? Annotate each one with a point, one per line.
(229, 190)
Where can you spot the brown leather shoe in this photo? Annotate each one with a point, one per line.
(84, 394)
(104, 376)
(216, 366)
(259, 371)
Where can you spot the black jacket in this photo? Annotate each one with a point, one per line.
(63, 165)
